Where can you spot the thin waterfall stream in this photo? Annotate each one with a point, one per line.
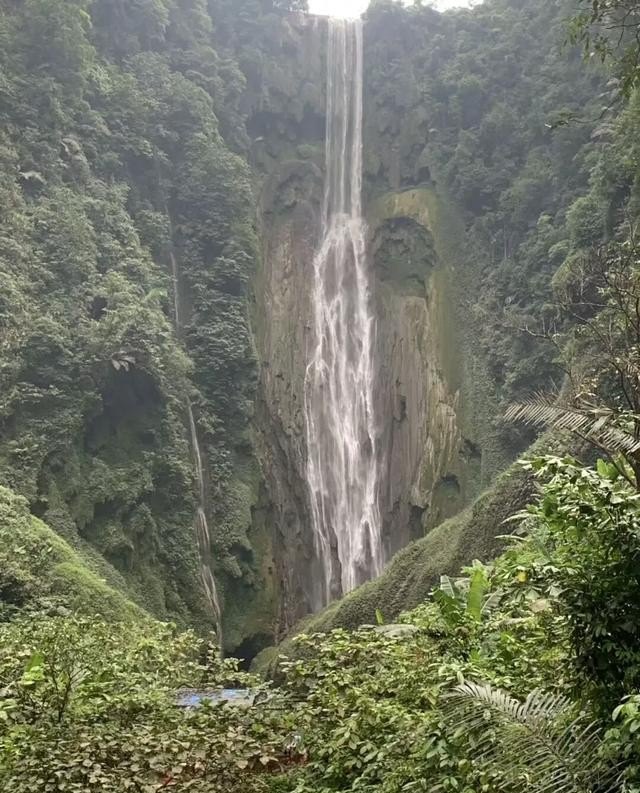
(203, 535)
(342, 468)
(202, 529)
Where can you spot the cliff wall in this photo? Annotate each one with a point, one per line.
(436, 456)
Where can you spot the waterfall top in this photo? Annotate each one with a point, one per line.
(339, 9)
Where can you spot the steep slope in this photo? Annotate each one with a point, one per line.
(113, 167)
(39, 571)
(138, 282)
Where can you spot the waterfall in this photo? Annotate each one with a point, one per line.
(342, 468)
(202, 529)
(203, 535)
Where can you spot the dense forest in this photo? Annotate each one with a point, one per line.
(123, 153)
(161, 188)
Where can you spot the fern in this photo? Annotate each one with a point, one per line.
(533, 745)
(595, 424)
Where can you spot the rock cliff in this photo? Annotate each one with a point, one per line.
(435, 454)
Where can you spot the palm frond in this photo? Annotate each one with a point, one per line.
(533, 746)
(596, 424)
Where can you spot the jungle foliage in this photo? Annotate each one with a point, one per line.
(126, 154)
(122, 154)
(510, 675)
(610, 29)
(86, 707)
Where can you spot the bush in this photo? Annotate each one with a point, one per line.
(90, 706)
(590, 523)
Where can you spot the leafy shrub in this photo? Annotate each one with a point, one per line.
(89, 706)
(434, 703)
(590, 523)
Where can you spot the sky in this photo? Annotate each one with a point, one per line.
(352, 8)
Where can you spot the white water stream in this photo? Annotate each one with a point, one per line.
(203, 536)
(342, 468)
(202, 530)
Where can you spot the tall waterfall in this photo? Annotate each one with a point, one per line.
(203, 536)
(202, 530)
(342, 467)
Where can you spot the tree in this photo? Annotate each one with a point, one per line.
(610, 29)
(589, 523)
(600, 295)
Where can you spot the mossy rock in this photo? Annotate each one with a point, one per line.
(39, 570)
(404, 255)
(413, 204)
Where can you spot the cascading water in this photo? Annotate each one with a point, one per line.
(202, 529)
(342, 467)
(201, 524)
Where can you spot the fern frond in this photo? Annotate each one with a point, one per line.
(531, 746)
(594, 424)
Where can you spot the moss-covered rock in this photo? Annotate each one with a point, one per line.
(40, 571)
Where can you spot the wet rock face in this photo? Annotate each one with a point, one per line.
(282, 302)
(430, 454)
(420, 434)
(424, 477)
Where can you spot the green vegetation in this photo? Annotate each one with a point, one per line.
(500, 168)
(89, 706)
(609, 29)
(40, 572)
(122, 156)
(428, 708)
(506, 677)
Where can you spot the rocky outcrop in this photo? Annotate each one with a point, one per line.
(430, 472)
(289, 151)
(282, 322)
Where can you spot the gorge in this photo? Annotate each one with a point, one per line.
(319, 397)
(348, 323)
